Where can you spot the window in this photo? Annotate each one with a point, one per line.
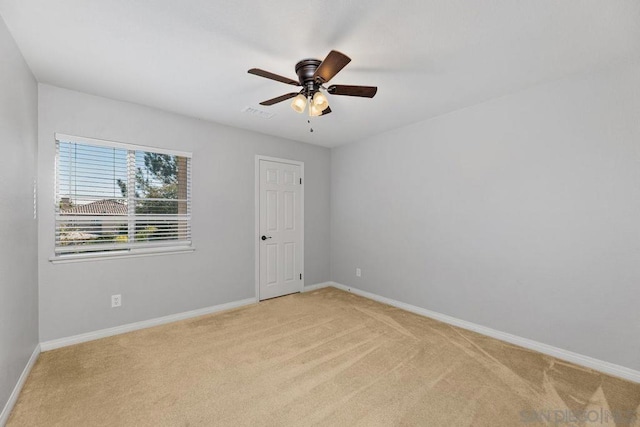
(118, 199)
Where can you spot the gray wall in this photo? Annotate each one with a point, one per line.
(18, 238)
(521, 214)
(76, 297)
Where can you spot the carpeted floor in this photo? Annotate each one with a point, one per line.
(320, 358)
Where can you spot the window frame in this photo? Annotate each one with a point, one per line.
(162, 248)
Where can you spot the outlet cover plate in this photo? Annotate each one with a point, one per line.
(116, 300)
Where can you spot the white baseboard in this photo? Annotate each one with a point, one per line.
(13, 398)
(578, 359)
(103, 333)
(317, 286)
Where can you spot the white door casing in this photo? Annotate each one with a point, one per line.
(280, 227)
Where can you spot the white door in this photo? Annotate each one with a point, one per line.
(280, 230)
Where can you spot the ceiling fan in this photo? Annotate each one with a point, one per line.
(312, 75)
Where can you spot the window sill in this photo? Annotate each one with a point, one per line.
(133, 253)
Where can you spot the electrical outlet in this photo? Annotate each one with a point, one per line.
(116, 300)
(358, 272)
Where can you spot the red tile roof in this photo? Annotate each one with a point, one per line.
(105, 206)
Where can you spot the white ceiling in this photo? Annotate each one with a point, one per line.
(427, 57)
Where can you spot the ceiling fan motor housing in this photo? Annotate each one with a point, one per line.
(305, 70)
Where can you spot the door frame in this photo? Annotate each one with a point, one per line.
(259, 158)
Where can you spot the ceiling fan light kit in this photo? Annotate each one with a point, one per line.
(312, 75)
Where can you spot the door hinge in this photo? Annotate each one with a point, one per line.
(300, 276)
(300, 181)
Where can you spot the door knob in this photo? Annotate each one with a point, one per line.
(265, 237)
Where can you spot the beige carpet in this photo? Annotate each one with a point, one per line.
(321, 358)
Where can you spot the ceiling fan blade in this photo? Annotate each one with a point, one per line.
(363, 91)
(268, 75)
(279, 99)
(326, 111)
(332, 64)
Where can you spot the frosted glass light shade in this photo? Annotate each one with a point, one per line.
(314, 111)
(320, 101)
(299, 103)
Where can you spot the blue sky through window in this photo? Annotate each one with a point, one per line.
(87, 173)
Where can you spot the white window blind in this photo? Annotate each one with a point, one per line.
(114, 198)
